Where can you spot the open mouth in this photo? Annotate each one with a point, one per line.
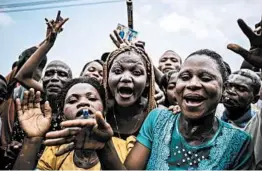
(194, 100)
(125, 92)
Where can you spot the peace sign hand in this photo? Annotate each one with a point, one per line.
(118, 41)
(254, 55)
(54, 27)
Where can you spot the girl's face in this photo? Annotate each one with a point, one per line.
(127, 78)
(94, 70)
(82, 96)
(199, 86)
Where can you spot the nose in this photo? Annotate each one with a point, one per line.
(96, 74)
(84, 102)
(126, 78)
(168, 63)
(55, 78)
(231, 91)
(194, 84)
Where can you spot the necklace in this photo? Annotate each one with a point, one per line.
(116, 123)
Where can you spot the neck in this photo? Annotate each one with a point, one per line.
(236, 113)
(196, 131)
(85, 158)
(130, 111)
(127, 120)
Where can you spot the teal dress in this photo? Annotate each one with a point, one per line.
(230, 148)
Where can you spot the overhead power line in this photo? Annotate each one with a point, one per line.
(26, 4)
(61, 6)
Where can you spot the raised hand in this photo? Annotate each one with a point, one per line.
(54, 27)
(32, 119)
(254, 55)
(118, 41)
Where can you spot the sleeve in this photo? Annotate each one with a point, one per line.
(145, 136)
(254, 128)
(47, 160)
(245, 159)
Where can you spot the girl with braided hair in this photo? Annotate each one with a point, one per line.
(129, 84)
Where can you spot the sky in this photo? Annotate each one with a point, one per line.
(180, 25)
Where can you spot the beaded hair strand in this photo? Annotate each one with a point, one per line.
(149, 67)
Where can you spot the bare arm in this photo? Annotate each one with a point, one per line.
(26, 159)
(136, 160)
(25, 74)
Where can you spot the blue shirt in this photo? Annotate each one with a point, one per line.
(230, 148)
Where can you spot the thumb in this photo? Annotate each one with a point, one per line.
(47, 110)
(239, 50)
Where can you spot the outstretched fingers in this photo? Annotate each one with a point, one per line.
(246, 29)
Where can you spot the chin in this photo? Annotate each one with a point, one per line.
(125, 103)
(53, 94)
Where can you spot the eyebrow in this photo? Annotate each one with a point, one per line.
(77, 95)
(57, 68)
(133, 62)
(202, 71)
(236, 84)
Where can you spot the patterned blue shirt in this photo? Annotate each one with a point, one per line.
(230, 148)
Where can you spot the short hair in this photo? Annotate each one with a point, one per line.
(96, 60)
(25, 55)
(256, 84)
(58, 62)
(70, 83)
(215, 57)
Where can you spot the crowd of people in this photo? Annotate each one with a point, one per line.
(124, 113)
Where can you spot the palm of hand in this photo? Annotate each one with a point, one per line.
(34, 123)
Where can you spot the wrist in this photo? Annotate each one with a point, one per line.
(107, 147)
(33, 140)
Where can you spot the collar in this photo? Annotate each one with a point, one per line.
(242, 121)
